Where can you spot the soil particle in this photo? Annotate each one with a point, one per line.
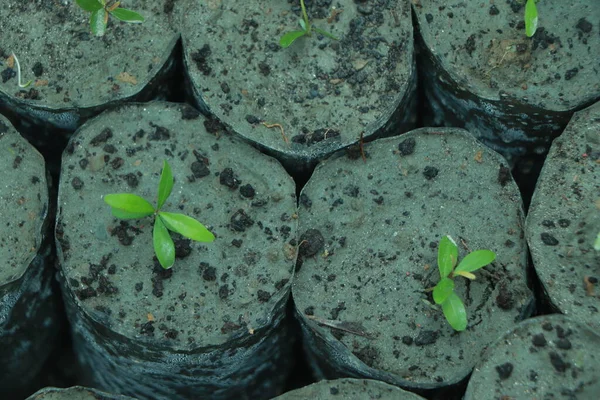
(199, 170)
(504, 175)
(228, 178)
(247, 191)
(430, 172)
(504, 300)
(368, 355)
(548, 239)
(120, 232)
(147, 328)
(305, 200)
(209, 274)
(224, 292)
(557, 362)
(426, 337)
(77, 183)
(131, 179)
(200, 57)
(563, 344)
(102, 137)
(539, 340)
(159, 133)
(407, 147)
(584, 25)
(240, 221)
(504, 370)
(311, 243)
(263, 296)
(182, 248)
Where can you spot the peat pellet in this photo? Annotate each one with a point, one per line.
(363, 292)
(317, 96)
(29, 320)
(74, 393)
(211, 326)
(564, 221)
(75, 74)
(480, 71)
(549, 354)
(349, 389)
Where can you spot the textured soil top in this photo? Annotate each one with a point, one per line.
(215, 290)
(556, 69)
(23, 202)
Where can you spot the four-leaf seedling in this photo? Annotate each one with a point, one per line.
(443, 292)
(131, 206)
(100, 10)
(288, 38)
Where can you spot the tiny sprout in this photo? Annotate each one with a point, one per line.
(100, 10)
(288, 38)
(443, 292)
(21, 85)
(131, 206)
(531, 18)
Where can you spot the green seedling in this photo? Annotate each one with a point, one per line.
(288, 38)
(597, 242)
(443, 292)
(531, 18)
(131, 206)
(100, 10)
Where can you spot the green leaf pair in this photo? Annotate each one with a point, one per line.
(100, 10)
(288, 38)
(443, 292)
(531, 18)
(131, 206)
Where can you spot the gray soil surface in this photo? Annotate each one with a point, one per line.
(23, 203)
(485, 49)
(74, 393)
(349, 389)
(322, 92)
(369, 236)
(564, 219)
(226, 287)
(71, 67)
(548, 357)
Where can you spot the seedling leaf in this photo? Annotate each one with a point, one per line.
(289, 38)
(129, 203)
(467, 275)
(186, 226)
(475, 260)
(303, 25)
(455, 313)
(163, 244)
(442, 290)
(531, 18)
(128, 215)
(126, 15)
(165, 185)
(89, 5)
(98, 23)
(447, 256)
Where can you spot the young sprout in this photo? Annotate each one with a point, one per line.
(21, 85)
(100, 10)
(597, 242)
(288, 38)
(531, 18)
(131, 206)
(443, 292)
